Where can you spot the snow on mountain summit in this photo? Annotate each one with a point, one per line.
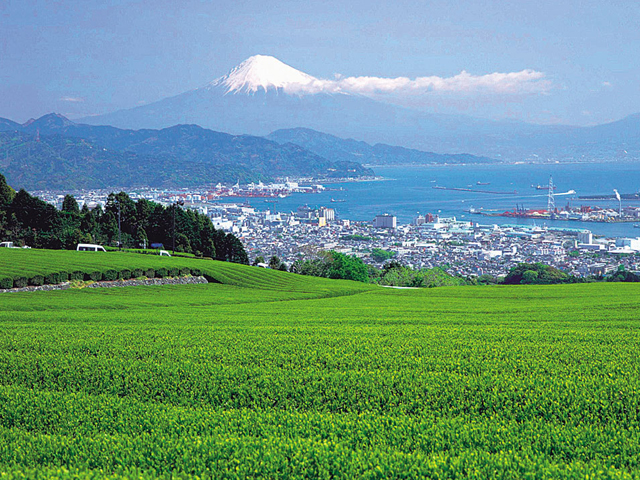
(266, 72)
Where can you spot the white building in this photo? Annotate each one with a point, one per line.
(585, 237)
(385, 221)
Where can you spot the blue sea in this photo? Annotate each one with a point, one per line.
(408, 191)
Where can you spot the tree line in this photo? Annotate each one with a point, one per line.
(28, 220)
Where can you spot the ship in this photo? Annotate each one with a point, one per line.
(339, 200)
(483, 183)
(542, 187)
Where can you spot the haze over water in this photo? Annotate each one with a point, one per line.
(410, 191)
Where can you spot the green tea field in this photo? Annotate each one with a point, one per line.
(267, 374)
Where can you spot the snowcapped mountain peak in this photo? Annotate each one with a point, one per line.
(266, 72)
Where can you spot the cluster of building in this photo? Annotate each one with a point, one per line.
(194, 198)
(583, 213)
(464, 248)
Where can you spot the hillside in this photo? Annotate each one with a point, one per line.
(273, 375)
(335, 148)
(262, 95)
(69, 155)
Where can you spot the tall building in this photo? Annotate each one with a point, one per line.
(329, 214)
(585, 237)
(384, 221)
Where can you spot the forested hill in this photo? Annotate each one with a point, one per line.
(336, 148)
(53, 152)
(27, 220)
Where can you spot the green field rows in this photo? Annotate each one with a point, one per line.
(27, 263)
(299, 377)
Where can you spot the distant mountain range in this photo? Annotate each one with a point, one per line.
(52, 152)
(335, 148)
(262, 95)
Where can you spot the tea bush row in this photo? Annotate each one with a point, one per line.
(55, 278)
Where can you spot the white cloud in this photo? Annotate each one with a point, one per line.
(606, 84)
(72, 99)
(525, 82)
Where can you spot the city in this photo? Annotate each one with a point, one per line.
(463, 248)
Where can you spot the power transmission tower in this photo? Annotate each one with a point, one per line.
(551, 202)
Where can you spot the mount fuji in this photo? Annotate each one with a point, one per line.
(263, 94)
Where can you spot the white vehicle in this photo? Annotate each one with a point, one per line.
(164, 253)
(7, 245)
(89, 247)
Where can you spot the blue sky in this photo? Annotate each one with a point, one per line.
(90, 57)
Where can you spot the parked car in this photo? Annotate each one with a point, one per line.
(89, 247)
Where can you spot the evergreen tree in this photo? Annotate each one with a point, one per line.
(6, 192)
(70, 205)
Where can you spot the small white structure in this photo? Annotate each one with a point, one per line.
(7, 245)
(89, 247)
(164, 253)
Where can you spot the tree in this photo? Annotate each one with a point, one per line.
(380, 255)
(70, 205)
(257, 260)
(347, 267)
(545, 274)
(529, 277)
(6, 192)
(274, 262)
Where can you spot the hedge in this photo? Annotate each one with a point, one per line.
(36, 280)
(77, 275)
(110, 275)
(124, 274)
(95, 276)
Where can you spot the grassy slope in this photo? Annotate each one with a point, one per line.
(530, 382)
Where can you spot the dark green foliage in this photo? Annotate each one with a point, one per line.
(76, 275)
(6, 282)
(94, 276)
(28, 220)
(19, 282)
(196, 272)
(137, 273)
(52, 278)
(622, 275)
(184, 271)
(360, 238)
(173, 272)
(110, 275)
(380, 255)
(393, 273)
(396, 274)
(6, 192)
(161, 272)
(63, 277)
(36, 280)
(124, 274)
(536, 273)
(70, 205)
(149, 273)
(274, 262)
